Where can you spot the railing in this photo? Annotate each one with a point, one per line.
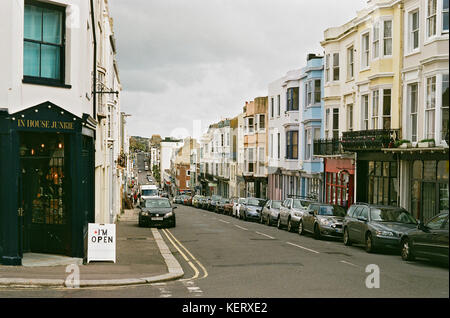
(369, 140)
(324, 147)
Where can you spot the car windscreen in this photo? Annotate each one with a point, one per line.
(149, 192)
(241, 201)
(256, 202)
(297, 204)
(334, 210)
(276, 204)
(391, 215)
(157, 204)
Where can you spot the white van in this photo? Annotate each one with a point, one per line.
(149, 191)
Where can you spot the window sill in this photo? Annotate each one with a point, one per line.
(414, 52)
(45, 82)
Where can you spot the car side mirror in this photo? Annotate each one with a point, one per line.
(421, 226)
(311, 212)
(361, 218)
(174, 207)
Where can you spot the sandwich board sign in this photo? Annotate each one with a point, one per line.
(101, 242)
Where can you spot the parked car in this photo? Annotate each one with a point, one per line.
(429, 240)
(376, 226)
(212, 203)
(251, 209)
(187, 200)
(220, 207)
(157, 212)
(228, 207)
(237, 205)
(323, 219)
(205, 203)
(269, 214)
(195, 200)
(176, 199)
(291, 212)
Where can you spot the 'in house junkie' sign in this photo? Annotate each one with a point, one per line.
(101, 242)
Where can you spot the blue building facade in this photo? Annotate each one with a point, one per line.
(311, 128)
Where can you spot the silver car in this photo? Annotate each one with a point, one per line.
(236, 206)
(291, 212)
(270, 212)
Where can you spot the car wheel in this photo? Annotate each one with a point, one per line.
(406, 250)
(369, 243)
(268, 223)
(347, 241)
(279, 223)
(317, 234)
(300, 228)
(261, 220)
(289, 225)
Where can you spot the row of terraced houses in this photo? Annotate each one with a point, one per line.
(368, 121)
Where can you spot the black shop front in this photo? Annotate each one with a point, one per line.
(46, 182)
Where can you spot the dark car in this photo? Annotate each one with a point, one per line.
(429, 240)
(157, 212)
(270, 212)
(251, 209)
(323, 220)
(220, 207)
(212, 203)
(376, 226)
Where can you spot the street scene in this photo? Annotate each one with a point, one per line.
(224, 150)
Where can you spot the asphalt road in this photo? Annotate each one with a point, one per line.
(225, 257)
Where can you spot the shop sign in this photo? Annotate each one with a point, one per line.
(101, 242)
(48, 124)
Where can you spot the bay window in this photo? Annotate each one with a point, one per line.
(292, 144)
(365, 111)
(336, 67)
(444, 109)
(375, 103)
(431, 17)
(365, 51)
(387, 37)
(292, 99)
(413, 30)
(386, 109)
(376, 40)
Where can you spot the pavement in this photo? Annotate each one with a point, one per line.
(142, 257)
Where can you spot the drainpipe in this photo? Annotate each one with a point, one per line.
(94, 74)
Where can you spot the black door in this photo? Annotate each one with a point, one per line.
(45, 194)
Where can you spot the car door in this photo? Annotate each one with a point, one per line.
(266, 210)
(428, 243)
(361, 225)
(308, 219)
(352, 224)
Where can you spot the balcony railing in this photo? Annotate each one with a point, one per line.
(369, 140)
(327, 147)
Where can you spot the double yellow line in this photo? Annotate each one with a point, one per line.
(191, 260)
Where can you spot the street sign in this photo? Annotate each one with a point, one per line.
(101, 242)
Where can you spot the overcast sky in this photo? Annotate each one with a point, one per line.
(186, 60)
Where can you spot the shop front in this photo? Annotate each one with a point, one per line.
(339, 181)
(46, 182)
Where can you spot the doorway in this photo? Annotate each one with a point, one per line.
(44, 193)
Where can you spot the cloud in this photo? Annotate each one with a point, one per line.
(182, 61)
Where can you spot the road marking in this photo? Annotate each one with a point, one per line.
(348, 263)
(271, 237)
(224, 221)
(243, 228)
(196, 272)
(205, 272)
(302, 247)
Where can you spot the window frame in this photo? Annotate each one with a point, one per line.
(39, 80)
(365, 51)
(350, 63)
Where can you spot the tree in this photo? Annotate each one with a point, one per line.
(156, 173)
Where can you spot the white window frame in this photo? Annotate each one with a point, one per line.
(350, 63)
(428, 18)
(375, 112)
(327, 122)
(365, 50)
(412, 116)
(376, 43)
(391, 38)
(430, 107)
(365, 111)
(334, 66)
(410, 31)
(350, 116)
(327, 67)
